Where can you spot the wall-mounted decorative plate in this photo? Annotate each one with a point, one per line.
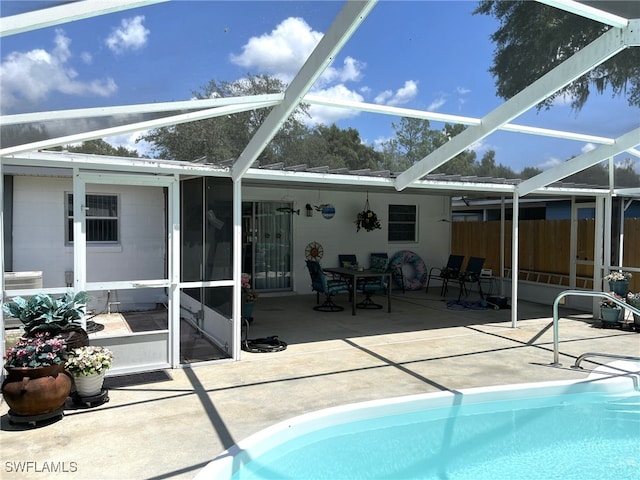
(328, 211)
(313, 251)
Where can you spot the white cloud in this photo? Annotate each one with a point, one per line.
(131, 35)
(549, 163)
(437, 103)
(403, 95)
(587, 147)
(128, 141)
(281, 52)
(284, 50)
(328, 115)
(462, 90)
(31, 76)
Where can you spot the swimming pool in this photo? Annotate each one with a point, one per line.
(585, 429)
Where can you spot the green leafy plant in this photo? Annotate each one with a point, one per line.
(633, 299)
(368, 220)
(89, 360)
(43, 313)
(42, 350)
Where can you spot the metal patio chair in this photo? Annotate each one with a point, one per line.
(443, 274)
(321, 285)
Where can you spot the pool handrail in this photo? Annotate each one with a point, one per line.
(579, 293)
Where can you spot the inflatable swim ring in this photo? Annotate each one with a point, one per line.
(414, 271)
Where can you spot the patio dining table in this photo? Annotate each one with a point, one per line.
(353, 275)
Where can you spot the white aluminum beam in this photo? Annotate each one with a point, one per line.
(601, 49)
(448, 118)
(113, 164)
(341, 30)
(134, 127)
(587, 11)
(68, 12)
(576, 164)
(137, 109)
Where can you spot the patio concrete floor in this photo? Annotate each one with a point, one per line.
(170, 424)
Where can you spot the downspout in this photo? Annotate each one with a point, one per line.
(514, 261)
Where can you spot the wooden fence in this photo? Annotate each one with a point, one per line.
(544, 248)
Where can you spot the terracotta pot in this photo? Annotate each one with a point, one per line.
(36, 391)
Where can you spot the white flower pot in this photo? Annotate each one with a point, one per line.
(89, 385)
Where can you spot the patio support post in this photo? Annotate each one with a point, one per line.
(573, 243)
(602, 251)
(174, 271)
(515, 267)
(79, 232)
(2, 336)
(236, 311)
(502, 232)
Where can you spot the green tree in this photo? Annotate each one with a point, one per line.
(223, 138)
(346, 147)
(100, 147)
(534, 38)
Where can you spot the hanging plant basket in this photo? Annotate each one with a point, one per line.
(367, 219)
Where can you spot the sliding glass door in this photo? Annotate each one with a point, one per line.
(267, 243)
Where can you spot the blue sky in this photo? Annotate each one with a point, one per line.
(428, 55)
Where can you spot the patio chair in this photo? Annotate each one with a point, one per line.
(370, 286)
(471, 275)
(443, 274)
(346, 261)
(380, 263)
(328, 288)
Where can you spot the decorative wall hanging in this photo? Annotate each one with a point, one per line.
(327, 210)
(309, 209)
(314, 251)
(288, 210)
(367, 218)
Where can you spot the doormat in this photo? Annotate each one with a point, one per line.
(137, 379)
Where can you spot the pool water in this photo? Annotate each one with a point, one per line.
(580, 437)
(585, 429)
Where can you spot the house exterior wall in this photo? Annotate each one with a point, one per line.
(338, 235)
(38, 235)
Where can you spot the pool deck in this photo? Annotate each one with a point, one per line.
(170, 424)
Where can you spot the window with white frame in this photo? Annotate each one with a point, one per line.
(403, 221)
(102, 225)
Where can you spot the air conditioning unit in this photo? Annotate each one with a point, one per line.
(22, 280)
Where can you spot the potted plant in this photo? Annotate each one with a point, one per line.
(633, 299)
(37, 383)
(60, 316)
(88, 365)
(619, 282)
(609, 312)
(249, 297)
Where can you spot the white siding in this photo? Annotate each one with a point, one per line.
(39, 233)
(338, 235)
